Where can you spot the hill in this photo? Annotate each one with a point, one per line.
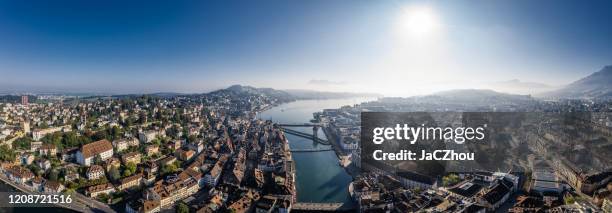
(597, 85)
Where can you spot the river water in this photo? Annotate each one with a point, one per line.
(319, 176)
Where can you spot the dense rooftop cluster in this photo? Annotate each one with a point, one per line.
(204, 152)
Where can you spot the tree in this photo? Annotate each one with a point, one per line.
(182, 208)
(53, 175)
(99, 135)
(450, 179)
(126, 173)
(115, 132)
(113, 173)
(6, 154)
(167, 169)
(131, 166)
(23, 143)
(97, 159)
(103, 197)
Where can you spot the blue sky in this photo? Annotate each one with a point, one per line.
(196, 46)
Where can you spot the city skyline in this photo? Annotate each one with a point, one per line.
(394, 47)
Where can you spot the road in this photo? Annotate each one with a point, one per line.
(80, 202)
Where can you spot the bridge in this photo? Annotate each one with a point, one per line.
(312, 150)
(313, 137)
(320, 207)
(300, 125)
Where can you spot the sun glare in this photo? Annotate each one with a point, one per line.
(419, 21)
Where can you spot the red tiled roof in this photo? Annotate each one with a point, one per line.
(95, 148)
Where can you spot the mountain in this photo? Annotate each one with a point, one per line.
(516, 86)
(478, 95)
(597, 85)
(290, 95)
(311, 94)
(279, 95)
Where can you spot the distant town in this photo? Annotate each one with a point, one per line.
(210, 153)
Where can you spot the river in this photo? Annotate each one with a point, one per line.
(319, 176)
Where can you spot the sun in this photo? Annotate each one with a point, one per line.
(419, 21)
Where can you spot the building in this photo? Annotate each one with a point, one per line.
(590, 183)
(102, 149)
(185, 155)
(497, 194)
(25, 125)
(120, 145)
(147, 136)
(174, 145)
(19, 174)
(37, 184)
(40, 133)
(48, 150)
(35, 146)
(71, 175)
(212, 178)
(27, 159)
(152, 149)
(151, 167)
(413, 180)
(53, 187)
(129, 182)
(44, 164)
(105, 188)
(167, 160)
(143, 206)
(111, 162)
(167, 193)
(606, 206)
(24, 100)
(132, 157)
(95, 172)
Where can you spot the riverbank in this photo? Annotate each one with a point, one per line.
(319, 177)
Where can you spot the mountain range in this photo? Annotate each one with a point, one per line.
(597, 85)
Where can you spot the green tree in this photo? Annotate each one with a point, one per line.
(182, 208)
(53, 175)
(70, 139)
(115, 132)
(450, 179)
(99, 135)
(170, 168)
(22, 143)
(6, 154)
(113, 173)
(131, 167)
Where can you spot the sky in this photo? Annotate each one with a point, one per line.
(397, 48)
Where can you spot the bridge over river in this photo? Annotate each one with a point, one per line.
(313, 136)
(312, 150)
